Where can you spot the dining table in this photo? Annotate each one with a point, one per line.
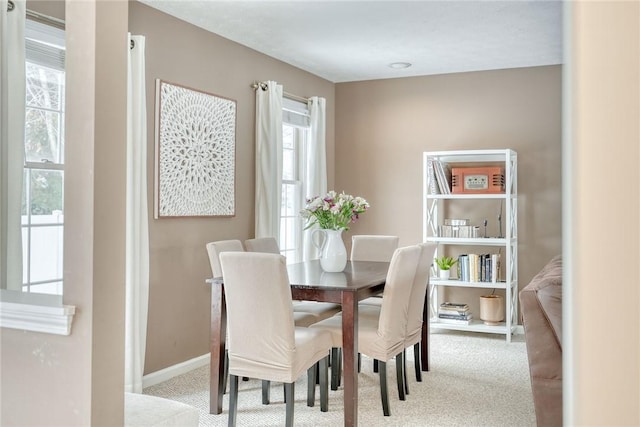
(309, 282)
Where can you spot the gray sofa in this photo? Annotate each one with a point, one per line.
(541, 308)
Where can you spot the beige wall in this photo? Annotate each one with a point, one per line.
(78, 380)
(45, 379)
(179, 300)
(383, 127)
(602, 215)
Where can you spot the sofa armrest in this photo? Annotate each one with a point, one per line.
(541, 308)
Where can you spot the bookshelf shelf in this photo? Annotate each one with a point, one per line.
(463, 204)
(460, 284)
(465, 196)
(480, 241)
(474, 326)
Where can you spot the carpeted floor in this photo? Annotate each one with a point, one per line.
(475, 380)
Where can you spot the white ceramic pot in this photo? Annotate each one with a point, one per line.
(492, 309)
(333, 253)
(445, 274)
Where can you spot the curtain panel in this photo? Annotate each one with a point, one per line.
(12, 120)
(315, 180)
(268, 159)
(137, 221)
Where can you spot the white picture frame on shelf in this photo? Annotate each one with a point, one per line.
(194, 153)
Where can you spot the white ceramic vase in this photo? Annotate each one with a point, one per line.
(333, 254)
(445, 274)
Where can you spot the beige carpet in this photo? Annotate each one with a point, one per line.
(475, 380)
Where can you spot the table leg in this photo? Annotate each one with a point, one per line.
(218, 334)
(424, 346)
(350, 355)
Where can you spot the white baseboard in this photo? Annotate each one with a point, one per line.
(175, 370)
(189, 365)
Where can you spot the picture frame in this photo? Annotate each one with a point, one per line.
(194, 153)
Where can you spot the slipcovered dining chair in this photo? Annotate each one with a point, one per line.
(263, 340)
(371, 247)
(262, 244)
(416, 309)
(320, 310)
(214, 249)
(383, 338)
(377, 248)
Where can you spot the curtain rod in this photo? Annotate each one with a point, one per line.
(45, 19)
(263, 86)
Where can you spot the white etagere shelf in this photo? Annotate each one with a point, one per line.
(474, 326)
(460, 284)
(433, 211)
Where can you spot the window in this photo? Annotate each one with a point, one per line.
(43, 179)
(294, 135)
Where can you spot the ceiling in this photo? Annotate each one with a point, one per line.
(345, 40)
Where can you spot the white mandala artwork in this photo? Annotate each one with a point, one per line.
(195, 153)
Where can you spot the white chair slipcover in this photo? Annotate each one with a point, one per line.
(263, 340)
(416, 306)
(262, 244)
(214, 249)
(383, 337)
(319, 310)
(372, 247)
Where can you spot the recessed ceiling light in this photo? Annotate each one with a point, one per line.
(400, 65)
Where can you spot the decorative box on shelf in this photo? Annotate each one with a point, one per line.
(482, 180)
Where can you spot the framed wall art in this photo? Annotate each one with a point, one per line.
(195, 153)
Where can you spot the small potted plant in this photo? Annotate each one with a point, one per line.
(444, 266)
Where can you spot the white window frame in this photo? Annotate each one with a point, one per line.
(295, 115)
(35, 312)
(44, 48)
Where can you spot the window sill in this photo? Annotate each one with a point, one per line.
(35, 312)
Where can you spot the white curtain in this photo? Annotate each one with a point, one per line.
(268, 159)
(137, 234)
(12, 116)
(316, 164)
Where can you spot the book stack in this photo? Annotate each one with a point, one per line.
(479, 267)
(455, 313)
(439, 174)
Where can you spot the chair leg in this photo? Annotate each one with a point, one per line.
(375, 365)
(324, 384)
(384, 394)
(335, 368)
(311, 385)
(400, 376)
(404, 371)
(289, 392)
(266, 385)
(233, 400)
(225, 371)
(359, 362)
(317, 374)
(418, 365)
(340, 361)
